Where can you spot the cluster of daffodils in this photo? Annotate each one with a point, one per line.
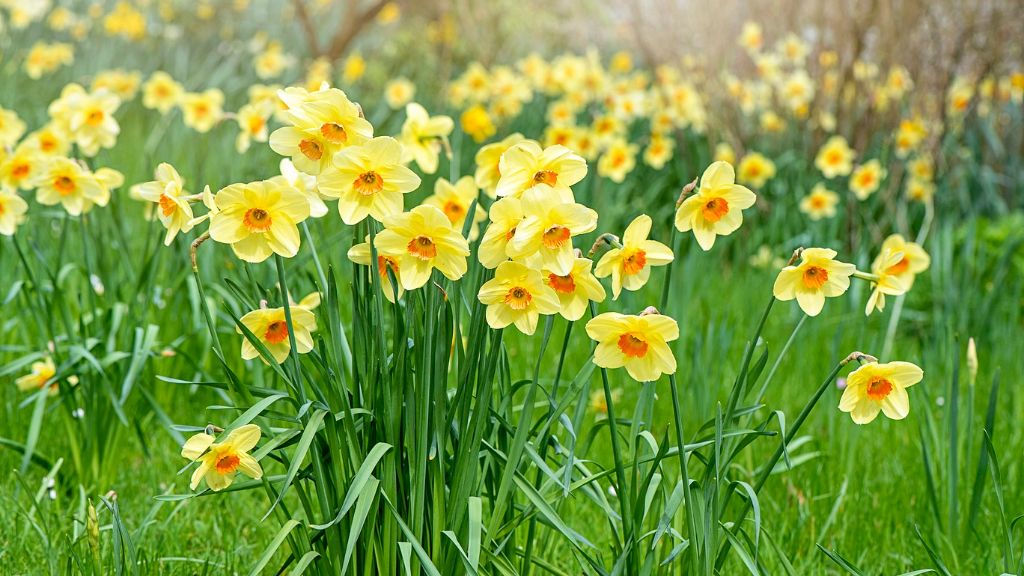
(39, 161)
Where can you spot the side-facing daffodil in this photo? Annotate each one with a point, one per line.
(885, 283)
(875, 388)
(368, 180)
(259, 219)
(487, 159)
(630, 265)
(219, 461)
(42, 372)
(914, 260)
(816, 277)
(12, 211)
(421, 240)
(271, 328)
(517, 295)
(506, 215)
(423, 135)
(455, 199)
(361, 254)
(717, 206)
(638, 343)
(167, 192)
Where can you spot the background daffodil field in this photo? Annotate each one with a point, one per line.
(511, 287)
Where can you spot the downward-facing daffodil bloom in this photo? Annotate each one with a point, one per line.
(455, 199)
(167, 193)
(517, 295)
(717, 206)
(816, 277)
(546, 232)
(913, 261)
(875, 388)
(421, 240)
(630, 265)
(638, 343)
(64, 181)
(506, 215)
(42, 372)
(866, 179)
(361, 254)
(259, 219)
(12, 211)
(835, 158)
(219, 461)
(576, 289)
(368, 180)
(423, 135)
(487, 159)
(271, 328)
(885, 283)
(526, 165)
(819, 203)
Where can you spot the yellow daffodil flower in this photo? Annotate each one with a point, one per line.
(361, 254)
(269, 325)
(42, 372)
(12, 211)
(161, 92)
(716, 209)
(368, 180)
(866, 179)
(63, 181)
(517, 295)
(202, 111)
(638, 343)
(259, 219)
(576, 289)
(421, 240)
(816, 277)
(455, 199)
(506, 215)
(630, 265)
(544, 237)
(168, 193)
(875, 388)
(219, 461)
(835, 158)
(423, 135)
(819, 203)
(914, 260)
(525, 165)
(487, 159)
(755, 169)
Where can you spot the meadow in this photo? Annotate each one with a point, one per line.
(325, 288)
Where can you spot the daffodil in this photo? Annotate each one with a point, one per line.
(19, 170)
(202, 111)
(866, 178)
(361, 254)
(423, 135)
(913, 261)
(259, 219)
(368, 180)
(168, 193)
(252, 124)
(161, 92)
(816, 277)
(477, 123)
(659, 151)
(835, 158)
(421, 240)
(884, 283)
(630, 265)
(544, 237)
(638, 343)
(455, 200)
(399, 92)
(11, 128)
(618, 160)
(875, 388)
(576, 289)
(755, 169)
(87, 117)
(487, 159)
(517, 295)
(505, 216)
(269, 325)
(12, 211)
(526, 164)
(819, 203)
(219, 461)
(304, 183)
(321, 124)
(63, 181)
(716, 209)
(42, 372)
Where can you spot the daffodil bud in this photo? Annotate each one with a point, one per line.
(92, 528)
(972, 362)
